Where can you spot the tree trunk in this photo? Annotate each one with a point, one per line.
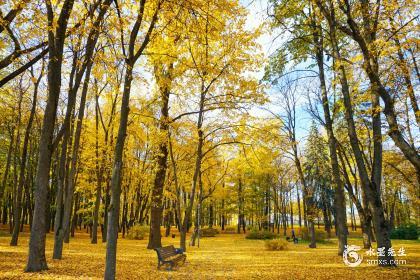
(239, 205)
(369, 187)
(163, 78)
(211, 215)
(22, 182)
(339, 197)
(7, 168)
(86, 70)
(114, 207)
(58, 226)
(75, 215)
(298, 204)
(197, 169)
(36, 257)
(99, 174)
(311, 230)
(62, 183)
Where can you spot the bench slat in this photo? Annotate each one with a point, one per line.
(168, 254)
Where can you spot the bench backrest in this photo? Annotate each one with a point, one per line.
(166, 252)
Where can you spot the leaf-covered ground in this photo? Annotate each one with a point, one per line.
(222, 257)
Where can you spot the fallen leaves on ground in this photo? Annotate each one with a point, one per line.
(226, 256)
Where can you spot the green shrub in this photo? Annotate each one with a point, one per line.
(276, 245)
(409, 232)
(230, 229)
(264, 234)
(251, 228)
(320, 235)
(218, 228)
(208, 232)
(137, 232)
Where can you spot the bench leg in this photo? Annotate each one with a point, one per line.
(170, 268)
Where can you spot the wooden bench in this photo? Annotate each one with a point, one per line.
(171, 256)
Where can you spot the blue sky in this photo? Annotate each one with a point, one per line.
(270, 41)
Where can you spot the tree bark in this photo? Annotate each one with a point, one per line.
(7, 167)
(86, 70)
(371, 190)
(22, 180)
(36, 257)
(99, 173)
(163, 78)
(197, 170)
(114, 207)
(298, 205)
(339, 197)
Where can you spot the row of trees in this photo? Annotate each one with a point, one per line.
(362, 55)
(117, 107)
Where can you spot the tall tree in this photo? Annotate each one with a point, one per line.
(56, 37)
(368, 184)
(23, 162)
(163, 75)
(62, 222)
(131, 57)
(340, 206)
